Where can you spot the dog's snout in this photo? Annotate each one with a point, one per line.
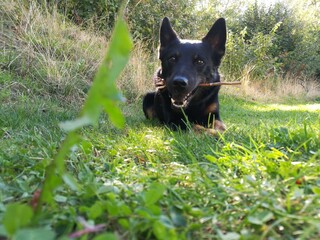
(181, 82)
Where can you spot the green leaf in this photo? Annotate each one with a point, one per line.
(117, 209)
(166, 221)
(16, 216)
(124, 223)
(54, 171)
(261, 217)
(211, 158)
(114, 113)
(177, 218)
(316, 190)
(60, 198)
(228, 235)
(164, 229)
(196, 212)
(159, 230)
(95, 210)
(35, 233)
(143, 212)
(106, 236)
(103, 93)
(49, 185)
(75, 124)
(70, 181)
(154, 193)
(154, 209)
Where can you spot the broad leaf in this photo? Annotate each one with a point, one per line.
(106, 236)
(33, 234)
(16, 216)
(154, 193)
(261, 217)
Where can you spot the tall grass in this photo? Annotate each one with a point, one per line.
(273, 87)
(137, 77)
(43, 46)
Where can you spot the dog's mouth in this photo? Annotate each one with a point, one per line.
(182, 102)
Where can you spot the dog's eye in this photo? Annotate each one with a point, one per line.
(172, 59)
(199, 62)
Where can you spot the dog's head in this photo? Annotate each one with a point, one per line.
(187, 63)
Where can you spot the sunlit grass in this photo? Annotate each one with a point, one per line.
(315, 107)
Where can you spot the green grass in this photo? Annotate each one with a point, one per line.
(259, 180)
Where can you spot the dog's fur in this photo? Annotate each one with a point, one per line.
(184, 65)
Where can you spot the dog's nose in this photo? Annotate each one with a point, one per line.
(179, 81)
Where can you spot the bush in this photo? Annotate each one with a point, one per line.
(255, 53)
(99, 14)
(282, 39)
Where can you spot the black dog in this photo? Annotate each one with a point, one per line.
(184, 65)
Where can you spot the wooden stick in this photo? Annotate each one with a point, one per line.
(218, 84)
(160, 83)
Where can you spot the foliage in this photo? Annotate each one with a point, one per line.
(306, 57)
(262, 20)
(256, 53)
(145, 18)
(287, 35)
(100, 14)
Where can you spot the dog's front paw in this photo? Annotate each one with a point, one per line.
(219, 126)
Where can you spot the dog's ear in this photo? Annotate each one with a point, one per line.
(167, 34)
(217, 36)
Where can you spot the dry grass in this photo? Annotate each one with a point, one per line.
(42, 46)
(272, 88)
(136, 80)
